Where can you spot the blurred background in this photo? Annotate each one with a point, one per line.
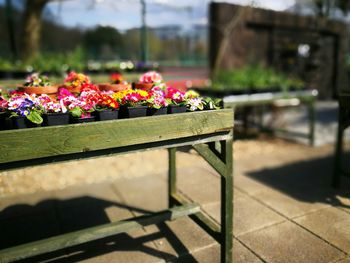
(273, 43)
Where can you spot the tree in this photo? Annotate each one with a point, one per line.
(326, 8)
(31, 29)
(103, 41)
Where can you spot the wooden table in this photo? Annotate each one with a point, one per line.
(210, 133)
(279, 99)
(343, 124)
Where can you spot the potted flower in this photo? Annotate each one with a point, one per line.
(212, 104)
(80, 111)
(157, 104)
(3, 108)
(134, 103)
(106, 108)
(117, 83)
(176, 99)
(193, 101)
(74, 81)
(38, 84)
(149, 80)
(79, 108)
(25, 111)
(55, 113)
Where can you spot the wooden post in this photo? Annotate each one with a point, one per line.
(171, 176)
(227, 204)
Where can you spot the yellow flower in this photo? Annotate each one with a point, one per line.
(143, 93)
(121, 94)
(75, 83)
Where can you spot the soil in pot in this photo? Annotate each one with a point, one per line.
(105, 115)
(153, 111)
(53, 119)
(83, 120)
(172, 109)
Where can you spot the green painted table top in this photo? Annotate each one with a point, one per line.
(33, 143)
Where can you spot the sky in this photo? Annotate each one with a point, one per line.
(125, 14)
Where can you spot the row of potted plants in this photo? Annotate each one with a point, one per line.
(252, 79)
(78, 100)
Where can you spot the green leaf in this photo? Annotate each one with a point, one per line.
(35, 117)
(76, 112)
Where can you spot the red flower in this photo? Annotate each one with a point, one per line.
(89, 87)
(14, 93)
(109, 102)
(116, 78)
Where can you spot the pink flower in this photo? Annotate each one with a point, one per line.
(151, 77)
(175, 95)
(3, 103)
(63, 92)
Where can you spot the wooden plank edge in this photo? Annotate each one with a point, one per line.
(199, 139)
(82, 236)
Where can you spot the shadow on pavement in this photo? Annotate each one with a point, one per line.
(308, 181)
(23, 223)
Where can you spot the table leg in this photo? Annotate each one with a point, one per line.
(227, 203)
(171, 176)
(338, 152)
(312, 118)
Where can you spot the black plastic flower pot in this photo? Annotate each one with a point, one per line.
(21, 122)
(134, 112)
(153, 111)
(172, 109)
(83, 120)
(106, 115)
(53, 119)
(2, 120)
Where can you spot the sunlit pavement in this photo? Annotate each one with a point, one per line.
(285, 209)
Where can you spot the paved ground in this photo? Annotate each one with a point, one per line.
(285, 209)
(295, 119)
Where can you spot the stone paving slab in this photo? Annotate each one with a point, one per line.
(332, 224)
(144, 194)
(201, 184)
(249, 215)
(284, 183)
(288, 206)
(287, 242)
(345, 260)
(212, 254)
(23, 229)
(180, 237)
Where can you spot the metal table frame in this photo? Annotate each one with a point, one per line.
(343, 124)
(210, 133)
(292, 98)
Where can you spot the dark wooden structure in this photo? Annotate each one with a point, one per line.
(343, 124)
(315, 49)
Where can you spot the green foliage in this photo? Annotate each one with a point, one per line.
(49, 62)
(253, 77)
(76, 112)
(35, 117)
(5, 64)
